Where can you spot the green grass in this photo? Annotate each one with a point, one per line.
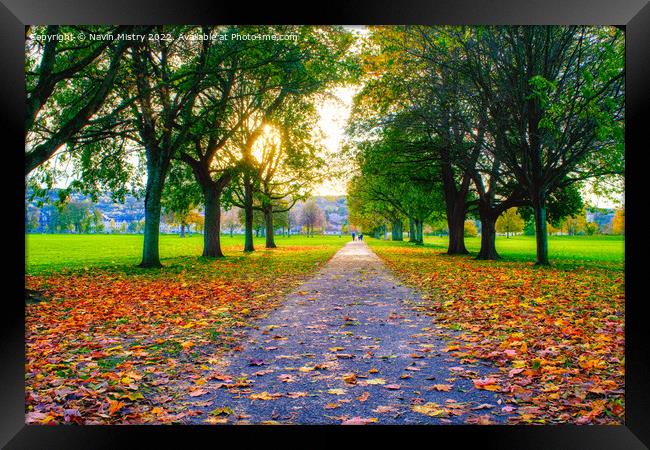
(586, 250)
(47, 253)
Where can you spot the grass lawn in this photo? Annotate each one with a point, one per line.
(606, 251)
(47, 253)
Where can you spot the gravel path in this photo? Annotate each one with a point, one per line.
(349, 346)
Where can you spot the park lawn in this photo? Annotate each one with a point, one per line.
(555, 333)
(592, 250)
(49, 253)
(115, 344)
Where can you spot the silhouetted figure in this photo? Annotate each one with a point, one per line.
(353, 235)
(360, 236)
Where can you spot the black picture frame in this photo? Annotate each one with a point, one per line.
(631, 15)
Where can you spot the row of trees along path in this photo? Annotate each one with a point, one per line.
(216, 122)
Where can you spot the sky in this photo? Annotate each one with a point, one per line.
(334, 114)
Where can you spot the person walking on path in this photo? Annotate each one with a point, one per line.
(353, 236)
(361, 236)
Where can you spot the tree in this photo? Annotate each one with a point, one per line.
(286, 165)
(591, 228)
(238, 84)
(522, 112)
(390, 184)
(132, 226)
(258, 221)
(72, 215)
(32, 222)
(312, 216)
(576, 224)
(231, 220)
(304, 68)
(618, 222)
(293, 218)
(97, 221)
(559, 92)
(180, 198)
(163, 115)
(67, 83)
(421, 84)
(470, 229)
(509, 222)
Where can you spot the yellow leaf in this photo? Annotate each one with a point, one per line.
(336, 391)
(187, 345)
(430, 409)
(264, 396)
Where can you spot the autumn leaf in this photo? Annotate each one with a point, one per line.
(114, 406)
(442, 387)
(337, 391)
(487, 384)
(224, 411)
(430, 409)
(363, 397)
(350, 378)
(285, 378)
(264, 396)
(359, 421)
(197, 392)
(297, 394)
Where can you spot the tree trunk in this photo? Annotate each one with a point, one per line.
(456, 224)
(417, 225)
(397, 231)
(268, 221)
(488, 237)
(212, 228)
(412, 232)
(156, 171)
(248, 215)
(541, 235)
